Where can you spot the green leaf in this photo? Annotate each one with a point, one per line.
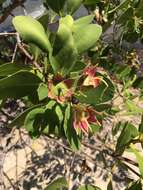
(31, 31)
(69, 129)
(67, 20)
(91, 2)
(86, 37)
(57, 184)
(19, 120)
(110, 186)
(117, 128)
(56, 5)
(43, 19)
(34, 121)
(128, 133)
(42, 91)
(83, 21)
(72, 5)
(123, 6)
(88, 187)
(138, 83)
(99, 95)
(136, 185)
(139, 157)
(35, 51)
(18, 85)
(64, 53)
(141, 125)
(132, 107)
(10, 68)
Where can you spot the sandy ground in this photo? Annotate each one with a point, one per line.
(28, 164)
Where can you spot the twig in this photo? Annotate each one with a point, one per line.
(131, 169)
(23, 50)
(14, 53)
(70, 171)
(7, 33)
(12, 185)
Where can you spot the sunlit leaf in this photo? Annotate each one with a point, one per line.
(88, 187)
(139, 157)
(86, 37)
(42, 91)
(128, 133)
(64, 53)
(31, 31)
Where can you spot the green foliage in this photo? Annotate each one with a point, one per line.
(64, 54)
(89, 187)
(128, 133)
(18, 84)
(110, 186)
(101, 94)
(139, 158)
(32, 31)
(70, 75)
(69, 130)
(10, 68)
(85, 38)
(64, 6)
(135, 186)
(57, 184)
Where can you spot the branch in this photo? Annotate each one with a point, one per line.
(21, 47)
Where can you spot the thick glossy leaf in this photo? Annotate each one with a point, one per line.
(99, 95)
(56, 5)
(88, 187)
(83, 21)
(135, 186)
(42, 91)
(57, 184)
(64, 53)
(86, 37)
(69, 130)
(128, 133)
(67, 20)
(31, 31)
(139, 157)
(73, 5)
(11, 68)
(19, 84)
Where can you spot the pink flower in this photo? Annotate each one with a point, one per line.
(91, 78)
(59, 92)
(83, 117)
